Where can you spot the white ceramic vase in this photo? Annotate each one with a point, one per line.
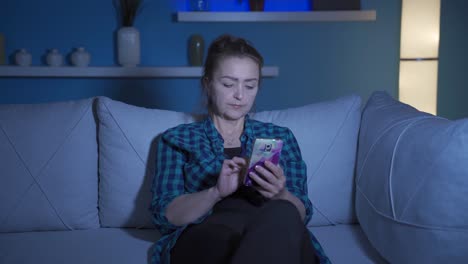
(80, 57)
(128, 46)
(54, 58)
(23, 58)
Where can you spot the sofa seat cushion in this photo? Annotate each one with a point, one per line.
(412, 183)
(346, 244)
(48, 166)
(342, 243)
(103, 245)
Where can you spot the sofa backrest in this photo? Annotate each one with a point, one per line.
(50, 179)
(48, 166)
(327, 135)
(326, 132)
(127, 147)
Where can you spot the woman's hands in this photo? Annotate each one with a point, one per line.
(270, 179)
(271, 183)
(230, 176)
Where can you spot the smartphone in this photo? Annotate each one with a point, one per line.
(264, 149)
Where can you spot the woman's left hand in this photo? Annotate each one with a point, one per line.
(270, 179)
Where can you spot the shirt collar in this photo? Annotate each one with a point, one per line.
(211, 131)
(215, 137)
(248, 131)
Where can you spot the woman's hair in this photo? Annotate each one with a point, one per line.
(222, 47)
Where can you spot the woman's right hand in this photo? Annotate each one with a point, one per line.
(230, 176)
(189, 207)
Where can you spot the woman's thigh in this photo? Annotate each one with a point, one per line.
(215, 239)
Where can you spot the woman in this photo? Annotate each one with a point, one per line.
(201, 207)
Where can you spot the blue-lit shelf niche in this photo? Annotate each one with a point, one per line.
(274, 11)
(243, 5)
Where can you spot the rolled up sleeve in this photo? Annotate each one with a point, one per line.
(168, 183)
(295, 171)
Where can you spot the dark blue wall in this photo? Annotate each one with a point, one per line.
(453, 59)
(317, 61)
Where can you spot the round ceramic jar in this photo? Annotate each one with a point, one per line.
(80, 57)
(54, 58)
(23, 58)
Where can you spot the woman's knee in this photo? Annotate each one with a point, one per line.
(216, 234)
(280, 213)
(280, 208)
(217, 240)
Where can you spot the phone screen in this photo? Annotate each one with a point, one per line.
(264, 149)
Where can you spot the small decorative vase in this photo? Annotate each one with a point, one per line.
(23, 58)
(196, 48)
(80, 57)
(256, 5)
(2, 50)
(54, 58)
(128, 46)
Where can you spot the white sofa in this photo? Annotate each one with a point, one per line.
(75, 181)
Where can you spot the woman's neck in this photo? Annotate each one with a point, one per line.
(230, 130)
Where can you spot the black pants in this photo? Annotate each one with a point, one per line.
(239, 232)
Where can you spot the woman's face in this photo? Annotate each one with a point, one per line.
(234, 87)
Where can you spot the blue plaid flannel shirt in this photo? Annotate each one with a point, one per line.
(188, 160)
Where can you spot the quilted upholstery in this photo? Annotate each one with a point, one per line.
(48, 169)
(127, 137)
(412, 183)
(327, 134)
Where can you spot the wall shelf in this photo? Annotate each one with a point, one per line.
(112, 72)
(310, 16)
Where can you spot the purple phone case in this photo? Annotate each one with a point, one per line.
(264, 149)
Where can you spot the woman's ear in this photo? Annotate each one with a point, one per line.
(206, 85)
(205, 82)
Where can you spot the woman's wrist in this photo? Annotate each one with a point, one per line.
(283, 195)
(214, 192)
